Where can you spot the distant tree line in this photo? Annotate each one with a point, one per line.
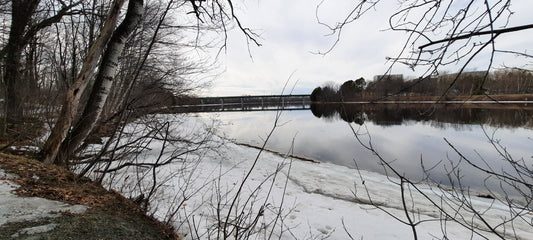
(348, 90)
(508, 81)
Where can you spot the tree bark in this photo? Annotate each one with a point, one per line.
(22, 30)
(72, 99)
(103, 82)
(22, 11)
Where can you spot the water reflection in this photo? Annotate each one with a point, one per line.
(408, 137)
(509, 115)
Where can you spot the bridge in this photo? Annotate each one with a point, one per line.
(248, 103)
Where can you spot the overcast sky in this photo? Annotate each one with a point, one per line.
(291, 36)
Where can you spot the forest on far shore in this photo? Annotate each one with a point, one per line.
(443, 87)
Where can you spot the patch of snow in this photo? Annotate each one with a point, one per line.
(17, 209)
(25, 148)
(35, 230)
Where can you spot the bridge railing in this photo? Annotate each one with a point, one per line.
(248, 103)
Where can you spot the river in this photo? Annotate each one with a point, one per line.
(421, 141)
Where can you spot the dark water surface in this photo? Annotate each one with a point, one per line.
(410, 136)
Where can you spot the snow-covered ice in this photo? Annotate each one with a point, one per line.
(18, 209)
(294, 199)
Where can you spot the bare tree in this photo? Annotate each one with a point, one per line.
(73, 95)
(25, 24)
(455, 202)
(103, 82)
(440, 32)
(219, 14)
(75, 63)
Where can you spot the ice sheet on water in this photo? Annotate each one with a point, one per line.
(312, 199)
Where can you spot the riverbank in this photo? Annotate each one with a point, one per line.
(39, 201)
(447, 98)
(284, 197)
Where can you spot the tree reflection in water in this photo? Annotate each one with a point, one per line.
(438, 115)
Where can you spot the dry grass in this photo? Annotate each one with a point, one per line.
(110, 216)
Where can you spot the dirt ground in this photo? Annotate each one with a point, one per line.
(109, 215)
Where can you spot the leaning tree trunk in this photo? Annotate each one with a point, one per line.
(103, 82)
(72, 99)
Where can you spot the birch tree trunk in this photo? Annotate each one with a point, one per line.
(71, 103)
(103, 82)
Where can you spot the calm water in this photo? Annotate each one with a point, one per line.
(409, 137)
